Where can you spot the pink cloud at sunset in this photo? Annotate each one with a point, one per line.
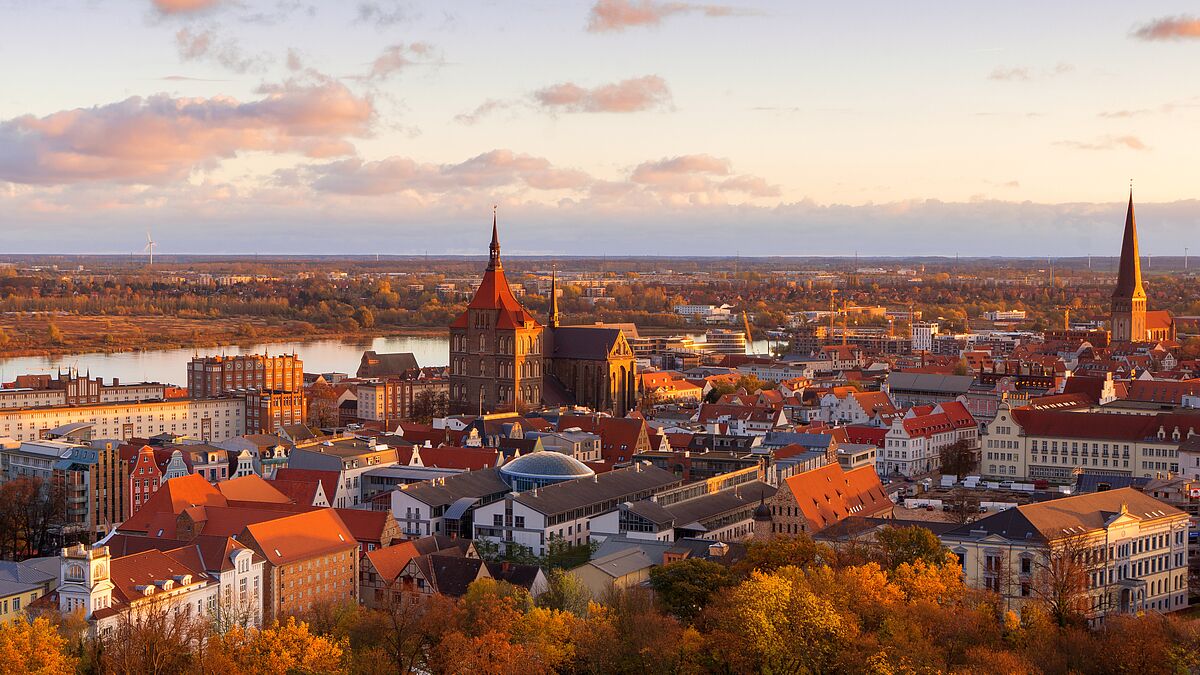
(616, 15)
(160, 138)
(183, 6)
(633, 95)
(1182, 27)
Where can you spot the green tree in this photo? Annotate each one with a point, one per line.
(566, 593)
(685, 587)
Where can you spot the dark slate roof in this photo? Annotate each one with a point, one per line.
(1129, 273)
(1091, 482)
(716, 503)
(618, 484)
(1010, 524)
(375, 364)
(584, 342)
(18, 577)
(445, 491)
(452, 574)
(514, 573)
(931, 383)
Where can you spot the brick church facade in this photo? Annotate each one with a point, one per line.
(502, 359)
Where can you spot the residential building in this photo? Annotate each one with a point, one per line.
(1025, 443)
(396, 398)
(565, 510)
(311, 558)
(1125, 550)
(211, 376)
(350, 457)
(21, 583)
(581, 445)
(211, 419)
(914, 442)
(813, 500)
(923, 333)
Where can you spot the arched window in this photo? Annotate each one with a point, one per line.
(75, 571)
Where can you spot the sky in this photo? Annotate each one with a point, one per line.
(598, 127)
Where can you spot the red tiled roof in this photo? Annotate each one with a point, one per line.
(328, 479)
(390, 561)
(301, 536)
(863, 434)
(451, 457)
(1162, 392)
(366, 526)
(830, 494)
(1103, 426)
(173, 497)
(252, 488)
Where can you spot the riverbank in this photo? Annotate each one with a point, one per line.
(32, 335)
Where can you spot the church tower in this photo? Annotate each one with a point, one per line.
(1129, 297)
(495, 347)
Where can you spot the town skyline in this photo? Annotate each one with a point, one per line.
(235, 128)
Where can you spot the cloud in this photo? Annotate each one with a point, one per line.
(184, 6)
(1165, 109)
(482, 110)
(490, 170)
(1106, 143)
(196, 45)
(1182, 27)
(617, 15)
(398, 57)
(1026, 74)
(160, 138)
(634, 95)
(698, 174)
(382, 14)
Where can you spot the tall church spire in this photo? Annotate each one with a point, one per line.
(553, 298)
(1129, 275)
(494, 263)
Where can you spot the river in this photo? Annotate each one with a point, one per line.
(169, 365)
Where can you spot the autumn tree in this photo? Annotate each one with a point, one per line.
(33, 647)
(898, 545)
(150, 639)
(31, 510)
(1062, 577)
(685, 587)
(768, 555)
(281, 649)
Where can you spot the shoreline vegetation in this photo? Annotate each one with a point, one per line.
(47, 335)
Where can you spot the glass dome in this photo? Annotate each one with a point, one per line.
(538, 469)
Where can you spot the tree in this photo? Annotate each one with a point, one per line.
(281, 649)
(959, 458)
(1061, 577)
(566, 593)
(154, 639)
(54, 334)
(31, 511)
(773, 622)
(364, 316)
(899, 545)
(33, 647)
(768, 555)
(685, 587)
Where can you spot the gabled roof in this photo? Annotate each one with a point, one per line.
(467, 459)
(327, 479)
(146, 568)
(301, 536)
(452, 574)
(173, 497)
(494, 294)
(446, 491)
(1160, 391)
(1103, 426)
(252, 488)
(829, 494)
(374, 364)
(1068, 516)
(922, 382)
(364, 524)
(585, 342)
(390, 561)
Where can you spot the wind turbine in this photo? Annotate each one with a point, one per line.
(150, 247)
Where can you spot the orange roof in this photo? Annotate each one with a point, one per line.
(327, 479)
(252, 488)
(173, 497)
(390, 561)
(366, 526)
(302, 536)
(875, 402)
(494, 294)
(830, 494)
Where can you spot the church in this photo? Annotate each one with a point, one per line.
(1130, 321)
(503, 360)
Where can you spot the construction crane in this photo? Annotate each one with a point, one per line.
(1066, 310)
(746, 323)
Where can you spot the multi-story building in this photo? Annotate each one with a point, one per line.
(70, 388)
(21, 583)
(350, 457)
(1124, 551)
(93, 480)
(581, 445)
(565, 510)
(209, 376)
(1026, 443)
(212, 419)
(272, 387)
(813, 500)
(914, 442)
(923, 333)
(396, 398)
(310, 558)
